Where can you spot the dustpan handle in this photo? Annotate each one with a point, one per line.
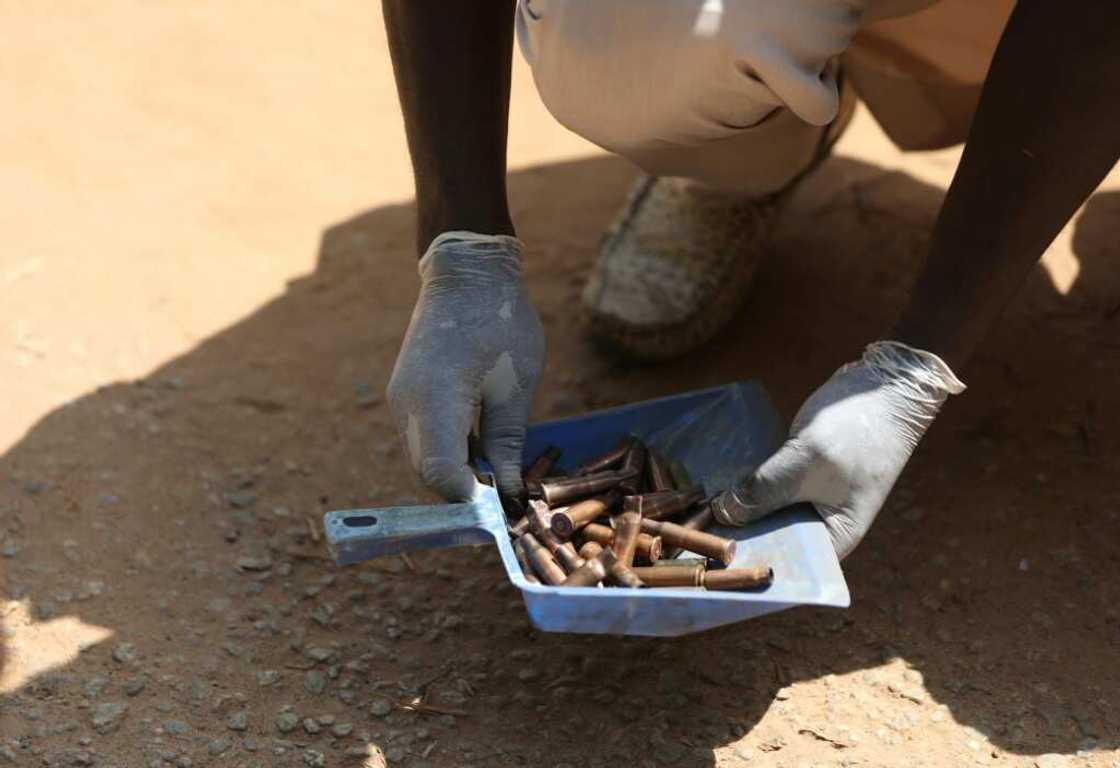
(361, 534)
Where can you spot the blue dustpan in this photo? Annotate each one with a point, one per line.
(717, 434)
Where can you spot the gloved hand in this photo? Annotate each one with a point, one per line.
(848, 443)
(474, 341)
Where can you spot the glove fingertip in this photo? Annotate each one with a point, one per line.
(454, 482)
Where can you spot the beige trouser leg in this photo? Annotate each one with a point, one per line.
(736, 94)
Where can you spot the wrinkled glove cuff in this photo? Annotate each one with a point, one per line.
(893, 360)
(440, 258)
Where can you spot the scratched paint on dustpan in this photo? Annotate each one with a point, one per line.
(717, 434)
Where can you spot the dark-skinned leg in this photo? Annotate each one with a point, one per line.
(452, 62)
(1046, 132)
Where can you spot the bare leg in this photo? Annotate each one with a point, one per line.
(1046, 132)
(452, 63)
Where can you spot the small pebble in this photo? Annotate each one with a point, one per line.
(286, 722)
(176, 727)
(125, 652)
(315, 682)
(238, 721)
(380, 707)
(106, 717)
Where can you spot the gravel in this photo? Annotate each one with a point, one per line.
(286, 722)
(134, 685)
(315, 682)
(238, 721)
(125, 653)
(107, 717)
(176, 727)
(380, 707)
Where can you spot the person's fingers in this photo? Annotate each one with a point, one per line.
(503, 435)
(777, 483)
(433, 421)
(810, 93)
(505, 412)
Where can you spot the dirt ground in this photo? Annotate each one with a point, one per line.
(206, 269)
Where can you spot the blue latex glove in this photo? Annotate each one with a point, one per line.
(475, 345)
(848, 443)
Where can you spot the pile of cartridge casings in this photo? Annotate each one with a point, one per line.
(620, 520)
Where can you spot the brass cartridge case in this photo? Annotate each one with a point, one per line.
(649, 547)
(680, 475)
(738, 578)
(569, 489)
(565, 553)
(523, 561)
(520, 527)
(657, 473)
(707, 544)
(698, 520)
(587, 575)
(627, 528)
(683, 575)
(622, 575)
(590, 549)
(542, 465)
(665, 505)
(607, 460)
(543, 562)
(568, 520)
(540, 519)
(634, 465)
(569, 560)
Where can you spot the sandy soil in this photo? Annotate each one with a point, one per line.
(207, 267)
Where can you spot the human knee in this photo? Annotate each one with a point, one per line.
(633, 76)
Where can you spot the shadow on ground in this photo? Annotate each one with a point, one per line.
(172, 512)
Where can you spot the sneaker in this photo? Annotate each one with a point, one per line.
(674, 267)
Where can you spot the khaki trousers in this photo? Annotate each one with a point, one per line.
(736, 94)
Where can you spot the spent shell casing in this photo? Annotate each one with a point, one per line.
(738, 578)
(627, 529)
(665, 505)
(568, 558)
(649, 547)
(569, 489)
(623, 575)
(543, 562)
(568, 520)
(681, 477)
(593, 571)
(706, 544)
(590, 549)
(657, 473)
(698, 520)
(523, 560)
(607, 460)
(564, 552)
(542, 465)
(634, 466)
(672, 575)
(539, 517)
(520, 527)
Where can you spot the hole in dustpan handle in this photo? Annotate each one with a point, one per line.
(359, 521)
